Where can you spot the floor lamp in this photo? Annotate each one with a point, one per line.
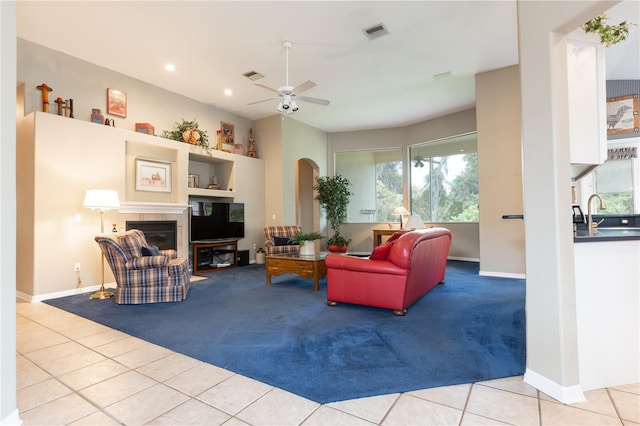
(102, 200)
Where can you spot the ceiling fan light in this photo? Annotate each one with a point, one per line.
(279, 109)
(294, 106)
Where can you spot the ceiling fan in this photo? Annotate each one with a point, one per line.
(289, 94)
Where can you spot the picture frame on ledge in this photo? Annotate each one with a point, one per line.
(227, 137)
(154, 176)
(622, 114)
(116, 103)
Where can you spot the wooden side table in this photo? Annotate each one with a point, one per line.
(379, 233)
(308, 267)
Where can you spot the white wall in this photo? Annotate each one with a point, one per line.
(552, 352)
(8, 401)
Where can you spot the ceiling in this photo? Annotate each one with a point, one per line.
(386, 82)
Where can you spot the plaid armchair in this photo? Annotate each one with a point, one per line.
(276, 235)
(143, 273)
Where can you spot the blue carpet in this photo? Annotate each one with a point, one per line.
(470, 329)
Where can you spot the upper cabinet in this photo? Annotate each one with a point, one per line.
(586, 83)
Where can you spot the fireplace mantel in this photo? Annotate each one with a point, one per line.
(146, 207)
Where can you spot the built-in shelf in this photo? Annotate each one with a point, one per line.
(208, 169)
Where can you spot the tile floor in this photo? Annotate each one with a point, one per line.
(72, 371)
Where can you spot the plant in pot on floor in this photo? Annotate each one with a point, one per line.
(332, 192)
(306, 241)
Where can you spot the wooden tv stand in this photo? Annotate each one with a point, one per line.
(208, 255)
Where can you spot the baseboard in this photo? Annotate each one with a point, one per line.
(502, 275)
(13, 419)
(464, 259)
(57, 294)
(565, 394)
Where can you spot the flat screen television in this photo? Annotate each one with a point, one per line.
(212, 220)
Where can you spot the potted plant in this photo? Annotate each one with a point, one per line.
(609, 34)
(333, 194)
(305, 240)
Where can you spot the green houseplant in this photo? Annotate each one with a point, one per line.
(305, 241)
(299, 237)
(609, 34)
(332, 192)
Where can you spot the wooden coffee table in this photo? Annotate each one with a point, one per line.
(307, 267)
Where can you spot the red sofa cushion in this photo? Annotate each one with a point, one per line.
(381, 252)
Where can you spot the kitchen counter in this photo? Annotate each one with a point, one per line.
(607, 234)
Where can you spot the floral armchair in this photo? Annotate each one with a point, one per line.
(277, 239)
(143, 273)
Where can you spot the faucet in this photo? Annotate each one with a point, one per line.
(593, 226)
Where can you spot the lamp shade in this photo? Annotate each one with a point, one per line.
(400, 211)
(101, 199)
(414, 222)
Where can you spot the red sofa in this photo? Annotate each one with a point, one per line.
(396, 274)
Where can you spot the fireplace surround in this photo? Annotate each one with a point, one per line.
(160, 233)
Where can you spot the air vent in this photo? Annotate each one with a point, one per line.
(253, 76)
(376, 31)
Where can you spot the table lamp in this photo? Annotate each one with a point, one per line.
(400, 211)
(414, 222)
(102, 200)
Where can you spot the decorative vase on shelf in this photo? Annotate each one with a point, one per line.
(307, 248)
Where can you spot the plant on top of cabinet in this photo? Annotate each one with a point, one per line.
(188, 132)
(609, 34)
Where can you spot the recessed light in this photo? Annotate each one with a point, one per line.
(228, 92)
(170, 67)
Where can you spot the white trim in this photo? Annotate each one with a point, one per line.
(565, 394)
(12, 419)
(142, 207)
(502, 275)
(64, 293)
(464, 259)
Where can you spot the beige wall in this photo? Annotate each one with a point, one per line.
(500, 172)
(283, 142)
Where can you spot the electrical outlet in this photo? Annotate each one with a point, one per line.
(254, 246)
(76, 266)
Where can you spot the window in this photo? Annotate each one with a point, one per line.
(376, 183)
(617, 181)
(444, 180)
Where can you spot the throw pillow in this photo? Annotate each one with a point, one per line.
(396, 235)
(381, 252)
(283, 241)
(150, 251)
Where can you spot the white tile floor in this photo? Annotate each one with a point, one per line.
(72, 371)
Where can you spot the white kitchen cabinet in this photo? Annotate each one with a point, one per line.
(586, 83)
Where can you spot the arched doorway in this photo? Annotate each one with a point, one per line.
(307, 209)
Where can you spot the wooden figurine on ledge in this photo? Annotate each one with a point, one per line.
(251, 150)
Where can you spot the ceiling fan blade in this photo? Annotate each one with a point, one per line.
(313, 100)
(266, 87)
(304, 86)
(264, 100)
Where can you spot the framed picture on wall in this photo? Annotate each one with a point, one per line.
(153, 176)
(622, 114)
(116, 103)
